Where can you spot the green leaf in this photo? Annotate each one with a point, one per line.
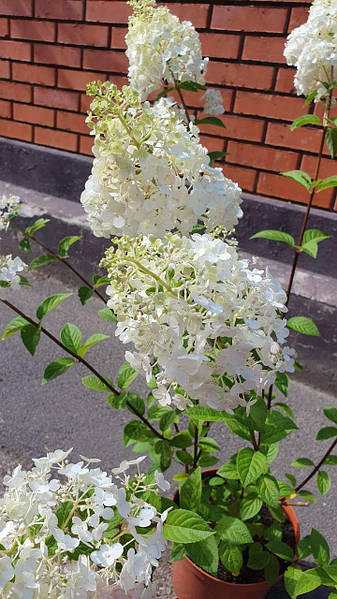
(84, 293)
(71, 337)
(65, 243)
(165, 450)
(23, 281)
(167, 419)
(56, 368)
(249, 508)
(233, 531)
(281, 550)
(229, 470)
(258, 558)
(205, 554)
(326, 433)
(311, 239)
(291, 577)
(299, 177)
(178, 552)
(303, 325)
(272, 569)
(41, 261)
(90, 342)
(107, 314)
(137, 431)
(323, 482)
(24, 245)
(39, 224)
(331, 141)
(213, 156)
(285, 408)
(271, 452)
(277, 427)
(92, 382)
(30, 336)
(306, 119)
(191, 86)
(330, 460)
(250, 464)
(49, 303)
(310, 497)
(307, 581)
(126, 375)
(310, 97)
(199, 414)
(190, 491)
(231, 558)
(282, 382)
(320, 548)
(182, 440)
(269, 490)
(14, 326)
(302, 462)
(210, 120)
(208, 444)
(183, 526)
(207, 460)
(331, 413)
(275, 235)
(63, 511)
(327, 183)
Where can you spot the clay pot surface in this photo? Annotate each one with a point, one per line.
(191, 582)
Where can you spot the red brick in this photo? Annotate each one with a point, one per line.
(55, 139)
(33, 30)
(5, 109)
(307, 139)
(327, 169)
(285, 81)
(220, 45)
(17, 91)
(268, 105)
(264, 49)
(240, 75)
(249, 18)
(194, 99)
(299, 15)
(281, 187)
(118, 38)
(85, 103)
(76, 79)
(213, 144)
(56, 98)
(86, 144)
(261, 157)
(105, 60)
(58, 55)
(33, 114)
(4, 69)
(3, 27)
(245, 177)
(14, 50)
(69, 10)
(19, 8)
(82, 35)
(15, 130)
(71, 122)
(119, 80)
(237, 127)
(107, 12)
(33, 74)
(196, 13)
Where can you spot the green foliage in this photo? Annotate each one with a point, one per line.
(303, 325)
(183, 526)
(39, 224)
(90, 342)
(57, 367)
(41, 261)
(65, 244)
(233, 530)
(107, 314)
(299, 177)
(274, 235)
(210, 120)
(126, 376)
(306, 119)
(24, 245)
(85, 293)
(331, 414)
(205, 554)
(250, 465)
(14, 326)
(326, 432)
(282, 382)
(93, 382)
(49, 303)
(323, 482)
(216, 155)
(231, 558)
(71, 337)
(302, 462)
(191, 86)
(190, 491)
(311, 239)
(327, 183)
(331, 141)
(30, 335)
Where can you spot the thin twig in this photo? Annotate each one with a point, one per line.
(184, 104)
(85, 363)
(316, 468)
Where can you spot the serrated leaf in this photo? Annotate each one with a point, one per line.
(233, 531)
(90, 342)
(308, 581)
(183, 526)
(137, 431)
(65, 244)
(191, 86)
(178, 552)
(257, 558)
(49, 303)
(126, 375)
(281, 550)
(56, 368)
(320, 548)
(41, 261)
(303, 325)
(274, 235)
(277, 427)
(167, 419)
(250, 464)
(291, 577)
(282, 382)
(249, 508)
(14, 326)
(200, 414)
(331, 141)
(272, 569)
(299, 177)
(92, 382)
(231, 558)
(327, 183)
(330, 413)
(326, 432)
(306, 119)
(182, 440)
(210, 120)
(107, 314)
(85, 293)
(208, 444)
(269, 490)
(71, 337)
(302, 463)
(229, 470)
(190, 491)
(30, 336)
(323, 482)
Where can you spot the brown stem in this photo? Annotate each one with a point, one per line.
(85, 363)
(253, 440)
(316, 468)
(60, 259)
(183, 103)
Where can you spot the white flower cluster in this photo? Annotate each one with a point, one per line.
(213, 102)
(161, 49)
(208, 320)
(150, 174)
(77, 533)
(312, 49)
(9, 269)
(8, 207)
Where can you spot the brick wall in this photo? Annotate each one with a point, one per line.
(50, 49)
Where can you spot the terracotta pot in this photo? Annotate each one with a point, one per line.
(191, 582)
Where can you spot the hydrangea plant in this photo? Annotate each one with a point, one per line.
(208, 331)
